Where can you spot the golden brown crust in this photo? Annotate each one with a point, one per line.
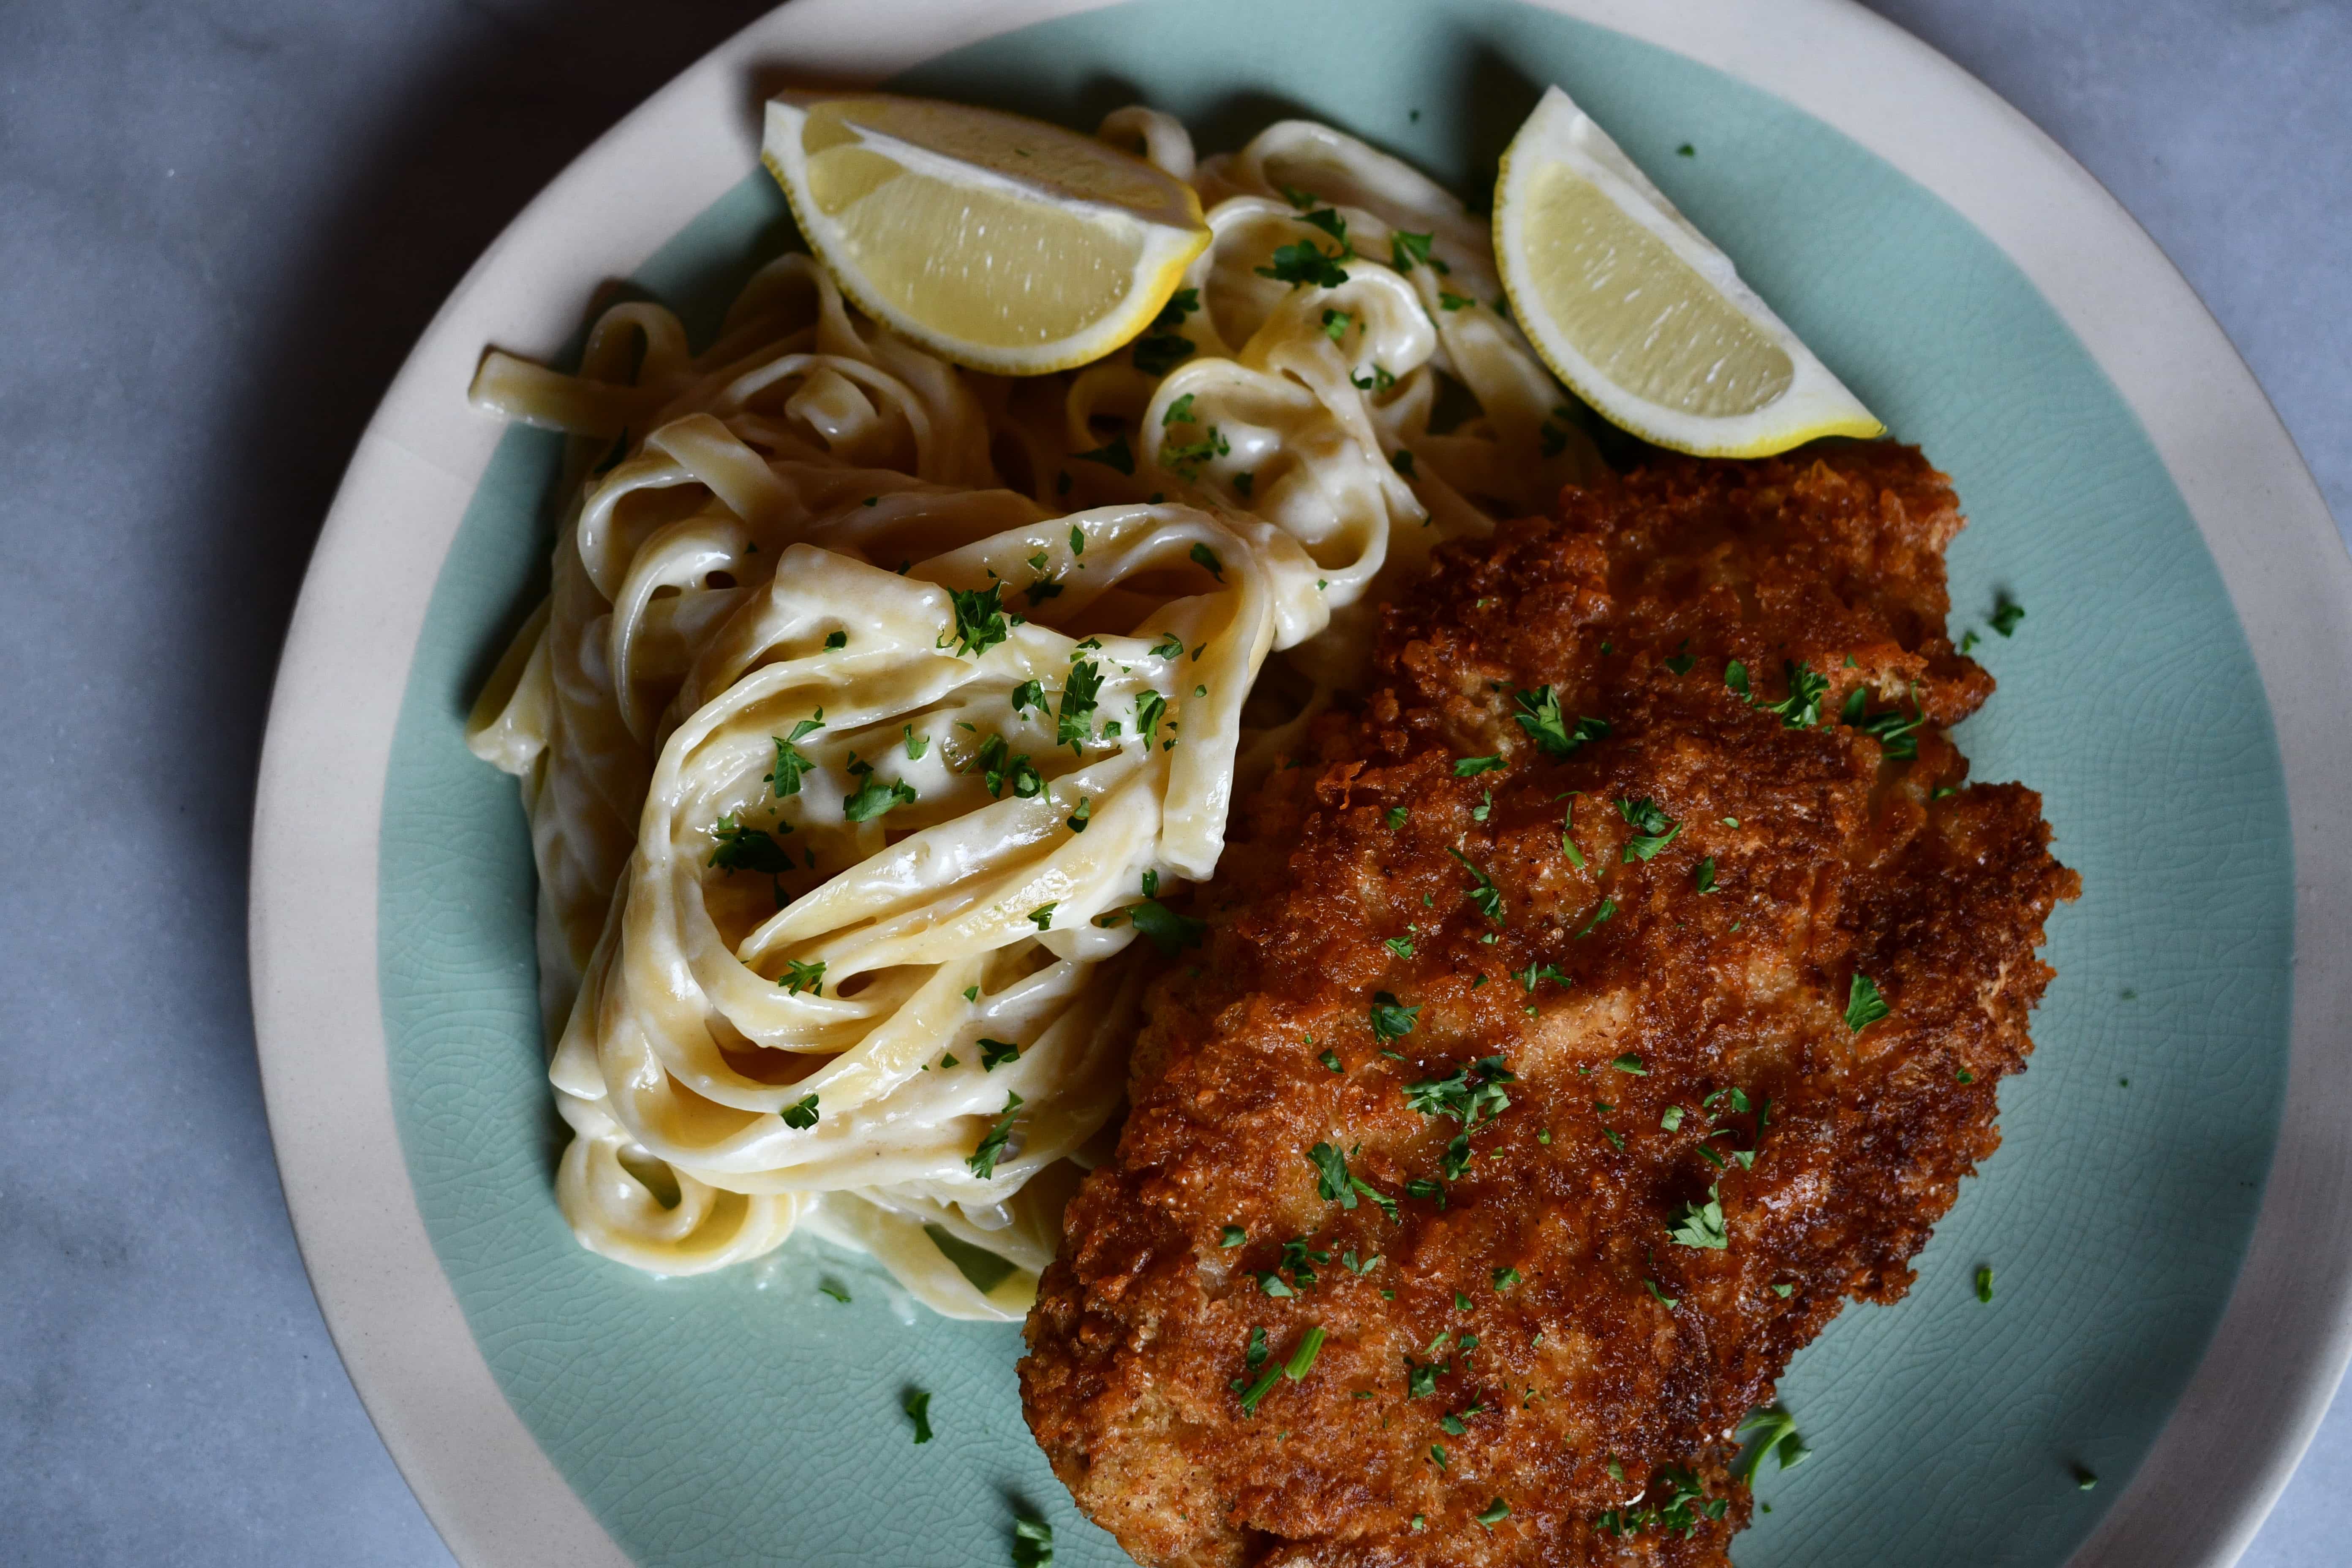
(1827, 859)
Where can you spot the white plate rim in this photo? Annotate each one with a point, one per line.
(2266, 1378)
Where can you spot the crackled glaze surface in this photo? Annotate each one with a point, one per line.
(745, 1417)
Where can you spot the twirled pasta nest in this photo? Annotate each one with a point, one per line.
(876, 706)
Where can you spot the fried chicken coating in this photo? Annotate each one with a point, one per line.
(1529, 1103)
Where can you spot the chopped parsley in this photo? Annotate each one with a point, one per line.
(1538, 714)
(1260, 1389)
(1700, 1224)
(1507, 1278)
(1150, 709)
(1187, 459)
(1471, 767)
(1329, 220)
(916, 744)
(1397, 815)
(1984, 1284)
(1653, 828)
(1483, 891)
(799, 977)
(1405, 250)
(1158, 354)
(1330, 1058)
(1682, 661)
(1608, 907)
(1297, 1261)
(1426, 1187)
(1863, 1005)
(1801, 709)
(1042, 916)
(1702, 879)
(982, 1160)
(1535, 974)
(2006, 614)
(1233, 1235)
(999, 766)
(1449, 301)
(1332, 1183)
(1399, 945)
(1170, 932)
(918, 1406)
(1673, 1118)
(1494, 1513)
(1336, 324)
(1074, 725)
(1032, 1543)
(1027, 695)
(1669, 1302)
(1114, 454)
(1776, 1431)
(1302, 1358)
(833, 1288)
(1080, 816)
(1381, 380)
(1179, 412)
(744, 848)
(1181, 304)
(872, 797)
(801, 1114)
(1896, 736)
(995, 1053)
(1471, 1095)
(1206, 559)
(1631, 1063)
(791, 764)
(1304, 263)
(1568, 839)
(980, 619)
(1390, 1019)
(1687, 1504)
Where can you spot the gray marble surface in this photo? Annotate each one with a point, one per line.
(221, 227)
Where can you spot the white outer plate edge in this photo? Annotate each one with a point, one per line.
(2282, 1345)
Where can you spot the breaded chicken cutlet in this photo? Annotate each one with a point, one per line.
(1617, 990)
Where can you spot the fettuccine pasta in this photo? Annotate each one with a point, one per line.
(878, 709)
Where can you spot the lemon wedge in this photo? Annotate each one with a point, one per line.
(999, 242)
(1640, 313)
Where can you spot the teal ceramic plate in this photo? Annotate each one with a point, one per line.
(2162, 1218)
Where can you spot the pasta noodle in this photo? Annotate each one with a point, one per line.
(876, 704)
